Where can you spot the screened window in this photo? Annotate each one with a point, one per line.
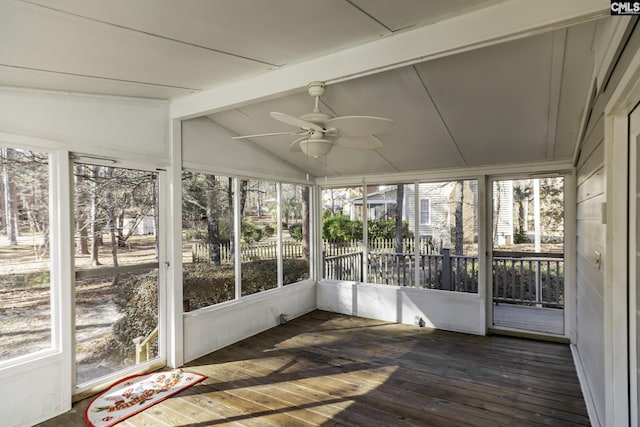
(207, 239)
(258, 240)
(295, 217)
(25, 289)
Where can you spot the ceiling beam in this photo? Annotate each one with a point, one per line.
(501, 22)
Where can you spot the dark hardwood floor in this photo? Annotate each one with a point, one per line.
(332, 370)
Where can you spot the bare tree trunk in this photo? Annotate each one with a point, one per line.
(213, 229)
(95, 230)
(243, 196)
(305, 223)
(111, 217)
(10, 196)
(81, 205)
(458, 237)
(230, 203)
(398, 236)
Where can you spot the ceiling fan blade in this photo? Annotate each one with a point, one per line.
(359, 125)
(294, 121)
(294, 147)
(267, 134)
(369, 142)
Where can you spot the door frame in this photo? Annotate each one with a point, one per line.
(618, 342)
(80, 391)
(569, 250)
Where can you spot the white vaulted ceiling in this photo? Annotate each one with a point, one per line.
(464, 91)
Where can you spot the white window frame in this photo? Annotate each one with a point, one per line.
(428, 211)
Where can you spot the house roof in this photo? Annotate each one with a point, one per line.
(468, 83)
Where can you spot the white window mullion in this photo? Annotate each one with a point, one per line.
(237, 221)
(279, 233)
(416, 234)
(365, 235)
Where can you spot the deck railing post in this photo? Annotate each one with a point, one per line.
(446, 269)
(538, 285)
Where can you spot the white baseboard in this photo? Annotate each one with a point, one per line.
(584, 385)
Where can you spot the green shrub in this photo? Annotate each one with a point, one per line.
(139, 304)
(268, 231)
(295, 230)
(250, 232)
(339, 228)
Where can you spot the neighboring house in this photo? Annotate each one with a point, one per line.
(503, 205)
(436, 211)
(138, 227)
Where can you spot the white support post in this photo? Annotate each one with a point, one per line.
(173, 330)
(62, 261)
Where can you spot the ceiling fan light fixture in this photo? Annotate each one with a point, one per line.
(316, 147)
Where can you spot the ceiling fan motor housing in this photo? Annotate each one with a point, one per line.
(316, 88)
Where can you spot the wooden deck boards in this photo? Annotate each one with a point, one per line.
(535, 319)
(333, 370)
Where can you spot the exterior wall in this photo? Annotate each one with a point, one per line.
(439, 203)
(503, 230)
(592, 303)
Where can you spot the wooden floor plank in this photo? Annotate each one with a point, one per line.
(325, 369)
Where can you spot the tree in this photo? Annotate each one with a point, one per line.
(522, 193)
(213, 231)
(458, 197)
(82, 222)
(96, 235)
(398, 225)
(10, 196)
(305, 222)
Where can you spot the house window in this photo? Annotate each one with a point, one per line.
(425, 211)
(25, 263)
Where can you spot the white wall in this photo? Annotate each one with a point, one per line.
(453, 311)
(31, 392)
(101, 125)
(215, 327)
(594, 306)
(206, 146)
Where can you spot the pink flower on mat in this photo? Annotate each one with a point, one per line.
(127, 393)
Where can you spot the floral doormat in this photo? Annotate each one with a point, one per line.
(136, 393)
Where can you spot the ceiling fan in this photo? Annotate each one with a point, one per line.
(320, 132)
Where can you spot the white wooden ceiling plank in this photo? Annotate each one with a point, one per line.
(275, 31)
(403, 14)
(19, 77)
(503, 21)
(495, 100)
(37, 38)
(577, 80)
(555, 88)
